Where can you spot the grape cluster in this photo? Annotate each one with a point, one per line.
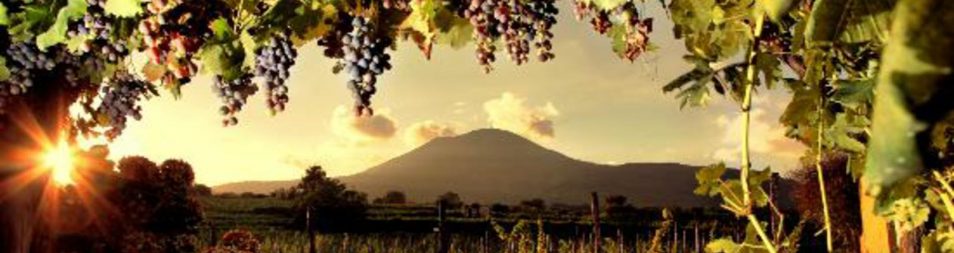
(175, 30)
(519, 24)
(599, 19)
(365, 57)
(234, 94)
(543, 14)
(272, 63)
(26, 62)
(480, 13)
(402, 5)
(637, 31)
(95, 28)
(636, 35)
(120, 100)
(332, 40)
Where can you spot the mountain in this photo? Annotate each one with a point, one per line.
(492, 165)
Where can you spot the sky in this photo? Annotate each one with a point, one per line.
(586, 103)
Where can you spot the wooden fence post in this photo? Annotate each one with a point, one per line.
(311, 231)
(443, 244)
(595, 212)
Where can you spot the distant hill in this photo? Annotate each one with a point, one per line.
(263, 187)
(491, 165)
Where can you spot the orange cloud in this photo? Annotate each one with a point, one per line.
(422, 132)
(510, 112)
(362, 129)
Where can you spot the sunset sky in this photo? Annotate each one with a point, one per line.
(587, 104)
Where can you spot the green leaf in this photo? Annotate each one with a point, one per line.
(30, 21)
(915, 77)
(723, 245)
(223, 59)
(768, 66)
(454, 31)
(4, 18)
(4, 72)
(776, 9)
(848, 21)
(842, 132)
(123, 8)
(909, 213)
(853, 94)
(607, 4)
(709, 179)
(74, 9)
(221, 30)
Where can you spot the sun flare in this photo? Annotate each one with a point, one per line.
(59, 160)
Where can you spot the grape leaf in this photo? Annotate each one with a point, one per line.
(768, 66)
(853, 94)
(421, 21)
(4, 72)
(915, 75)
(841, 133)
(4, 18)
(74, 9)
(606, 4)
(30, 21)
(709, 179)
(848, 21)
(454, 31)
(123, 8)
(723, 245)
(696, 94)
(776, 9)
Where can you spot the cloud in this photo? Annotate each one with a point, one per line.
(422, 132)
(766, 139)
(509, 112)
(345, 124)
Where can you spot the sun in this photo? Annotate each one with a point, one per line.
(59, 159)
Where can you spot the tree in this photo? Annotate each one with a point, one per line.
(331, 204)
(158, 204)
(617, 210)
(534, 205)
(450, 200)
(202, 190)
(855, 89)
(392, 198)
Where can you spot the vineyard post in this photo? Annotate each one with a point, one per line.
(311, 231)
(695, 238)
(595, 213)
(443, 246)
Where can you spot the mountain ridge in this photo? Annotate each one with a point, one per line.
(490, 165)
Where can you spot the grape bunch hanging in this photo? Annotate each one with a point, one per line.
(542, 14)
(635, 33)
(272, 63)
(95, 29)
(174, 31)
(120, 99)
(364, 58)
(26, 62)
(515, 22)
(234, 95)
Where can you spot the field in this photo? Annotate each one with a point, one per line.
(413, 228)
